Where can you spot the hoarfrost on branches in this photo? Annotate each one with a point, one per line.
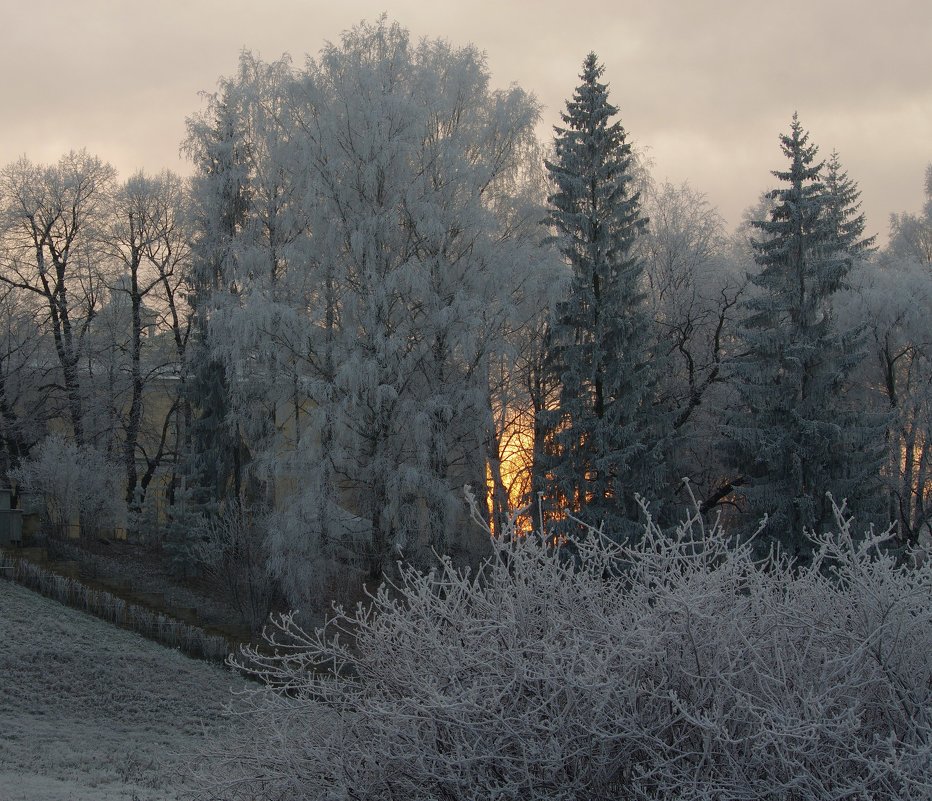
(676, 667)
(798, 430)
(375, 237)
(79, 483)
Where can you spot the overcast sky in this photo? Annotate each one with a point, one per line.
(706, 86)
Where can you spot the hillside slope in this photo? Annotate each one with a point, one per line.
(90, 712)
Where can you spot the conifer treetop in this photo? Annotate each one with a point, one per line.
(799, 204)
(592, 172)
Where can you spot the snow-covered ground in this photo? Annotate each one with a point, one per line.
(89, 712)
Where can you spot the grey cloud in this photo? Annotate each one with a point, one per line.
(706, 86)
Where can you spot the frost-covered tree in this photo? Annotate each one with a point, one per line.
(220, 203)
(894, 298)
(26, 360)
(430, 259)
(797, 433)
(522, 388)
(695, 280)
(147, 238)
(371, 282)
(79, 484)
(911, 234)
(51, 219)
(231, 555)
(605, 432)
(267, 323)
(93, 278)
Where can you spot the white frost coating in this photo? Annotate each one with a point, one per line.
(92, 712)
(387, 235)
(678, 668)
(79, 484)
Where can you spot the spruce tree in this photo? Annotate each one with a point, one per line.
(602, 443)
(220, 208)
(797, 434)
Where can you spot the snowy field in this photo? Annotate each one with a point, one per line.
(89, 712)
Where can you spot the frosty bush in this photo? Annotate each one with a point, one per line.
(230, 551)
(78, 483)
(676, 668)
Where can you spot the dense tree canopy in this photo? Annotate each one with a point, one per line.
(375, 289)
(376, 316)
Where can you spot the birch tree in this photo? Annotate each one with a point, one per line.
(51, 222)
(695, 280)
(25, 366)
(148, 240)
(394, 167)
(893, 294)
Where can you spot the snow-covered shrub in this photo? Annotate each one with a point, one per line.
(230, 551)
(78, 483)
(675, 668)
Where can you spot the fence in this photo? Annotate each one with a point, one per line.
(169, 631)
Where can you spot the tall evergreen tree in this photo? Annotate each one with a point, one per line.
(797, 434)
(221, 201)
(602, 440)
